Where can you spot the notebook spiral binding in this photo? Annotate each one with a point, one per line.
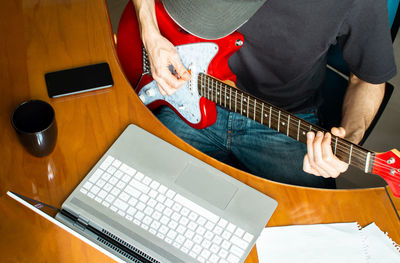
(365, 247)
(395, 245)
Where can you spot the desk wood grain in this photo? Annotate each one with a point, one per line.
(47, 35)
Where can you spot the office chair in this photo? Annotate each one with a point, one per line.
(336, 81)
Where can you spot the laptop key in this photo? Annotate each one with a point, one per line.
(102, 194)
(237, 251)
(107, 162)
(120, 204)
(233, 259)
(195, 207)
(95, 176)
(141, 187)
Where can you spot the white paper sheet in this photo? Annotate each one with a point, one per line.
(325, 243)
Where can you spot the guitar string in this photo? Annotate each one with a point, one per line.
(257, 108)
(340, 145)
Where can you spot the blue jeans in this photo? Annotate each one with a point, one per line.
(249, 145)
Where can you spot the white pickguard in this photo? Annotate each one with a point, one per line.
(196, 57)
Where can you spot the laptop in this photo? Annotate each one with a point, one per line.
(148, 201)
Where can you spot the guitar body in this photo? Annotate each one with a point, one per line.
(198, 55)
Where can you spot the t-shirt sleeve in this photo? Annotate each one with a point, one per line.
(366, 42)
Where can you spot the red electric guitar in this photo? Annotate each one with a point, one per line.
(195, 101)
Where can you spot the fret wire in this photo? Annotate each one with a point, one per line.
(270, 113)
(298, 126)
(212, 91)
(336, 140)
(288, 124)
(220, 94)
(230, 99)
(214, 87)
(225, 96)
(205, 90)
(201, 85)
(248, 102)
(262, 112)
(279, 119)
(241, 104)
(216, 93)
(236, 101)
(208, 93)
(254, 113)
(351, 150)
(298, 129)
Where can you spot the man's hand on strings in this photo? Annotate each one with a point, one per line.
(162, 55)
(320, 160)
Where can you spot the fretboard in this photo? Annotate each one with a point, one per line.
(282, 121)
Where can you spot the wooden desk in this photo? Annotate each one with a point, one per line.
(42, 36)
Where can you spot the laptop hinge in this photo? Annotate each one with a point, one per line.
(81, 222)
(77, 220)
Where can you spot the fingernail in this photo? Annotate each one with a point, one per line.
(319, 134)
(310, 135)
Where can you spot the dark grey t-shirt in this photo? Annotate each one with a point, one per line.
(283, 58)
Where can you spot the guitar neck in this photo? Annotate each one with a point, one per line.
(282, 121)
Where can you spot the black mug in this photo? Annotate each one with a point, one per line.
(35, 123)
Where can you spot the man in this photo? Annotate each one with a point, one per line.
(282, 61)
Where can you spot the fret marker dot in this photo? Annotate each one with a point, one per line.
(244, 110)
(283, 124)
(266, 115)
(304, 133)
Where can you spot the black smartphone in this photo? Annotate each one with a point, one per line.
(77, 80)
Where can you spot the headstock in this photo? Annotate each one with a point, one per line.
(387, 165)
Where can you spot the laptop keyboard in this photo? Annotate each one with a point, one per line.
(171, 217)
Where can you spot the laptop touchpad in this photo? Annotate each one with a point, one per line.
(206, 184)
